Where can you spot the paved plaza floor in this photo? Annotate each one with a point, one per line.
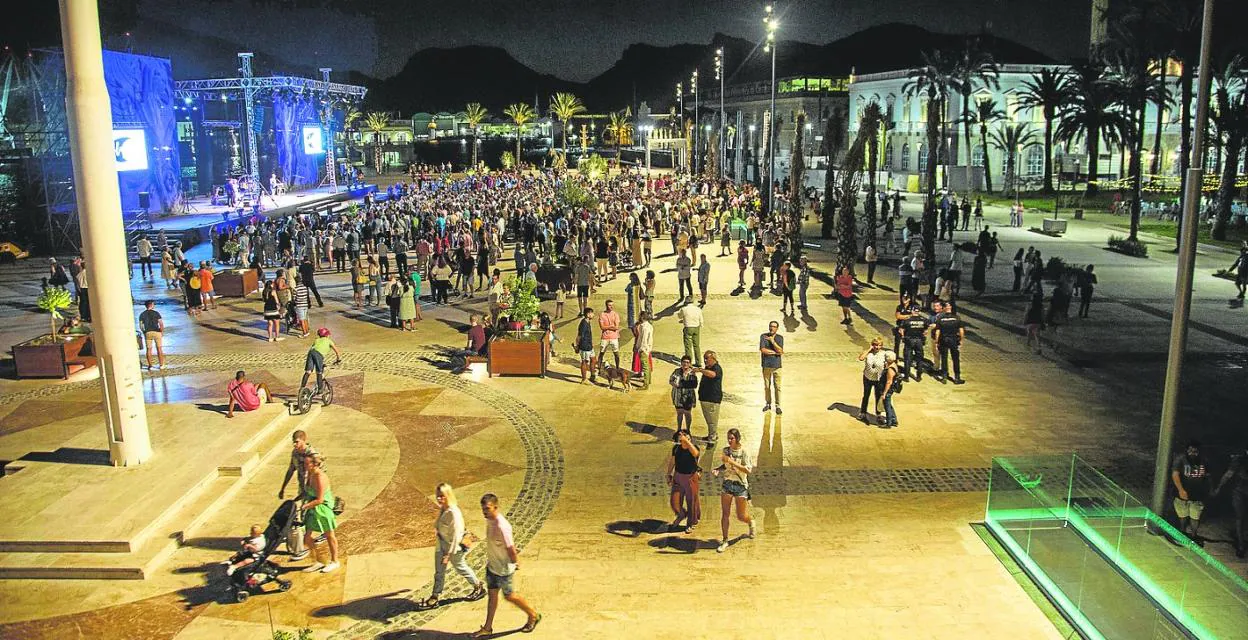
(863, 532)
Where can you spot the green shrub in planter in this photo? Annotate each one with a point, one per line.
(1129, 247)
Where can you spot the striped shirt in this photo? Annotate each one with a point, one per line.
(302, 300)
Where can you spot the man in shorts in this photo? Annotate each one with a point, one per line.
(584, 274)
(502, 562)
(153, 327)
(585, 346)
(609, 323)
(1191, 480)
(245, 395)
(315, 361)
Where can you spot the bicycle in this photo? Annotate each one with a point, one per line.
(323, 393)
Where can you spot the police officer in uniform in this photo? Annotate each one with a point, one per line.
(914, 331)
(948, 334)
(906, 309)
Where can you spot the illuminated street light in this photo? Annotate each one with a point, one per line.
(772, 24)
(723, 118)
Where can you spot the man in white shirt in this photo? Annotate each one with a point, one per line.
(144, 248)
(502, 562)
(690, 316)
(645, 345)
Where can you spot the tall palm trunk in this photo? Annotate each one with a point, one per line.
(983, 143)
(1048, 150)
(934, 121)
(1227, 190)
(565, 137)
(518, 147)
(1185, 136)
(475, 138)
(1136, 168)
(1094, 156)
(868, 207)
(966, 129)
(1155, 166)
(796, 180)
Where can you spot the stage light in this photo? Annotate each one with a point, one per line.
(187, 100)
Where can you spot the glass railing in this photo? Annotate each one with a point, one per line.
(1113, 567)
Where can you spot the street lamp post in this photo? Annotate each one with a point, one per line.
(723, 122)
(771, 24)
(680, 123)
(1183, 280)
(749, 148)
(693, 81)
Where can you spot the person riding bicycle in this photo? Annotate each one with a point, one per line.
(316, 358)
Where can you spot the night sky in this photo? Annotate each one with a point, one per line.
(572, 39)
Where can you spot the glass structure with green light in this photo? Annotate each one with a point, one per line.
(1113, 567)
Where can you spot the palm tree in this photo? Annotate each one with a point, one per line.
(833, 139)
(796, 185)
(984, 114)
(1011, 140)
(521, 114)
(1230, 115)
(975, 68)
(565, 106)
(1183, 18)
(474, 114)
(377, 121)
(1132, 81)
(1046, 91)
(932, 81)
(872, 118)
(620, 129)
(1091, 113)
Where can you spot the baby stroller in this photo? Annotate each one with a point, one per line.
(626, 260)
(250, 580)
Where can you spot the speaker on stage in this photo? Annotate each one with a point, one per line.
(145, 200)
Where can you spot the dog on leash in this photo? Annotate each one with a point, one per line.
(612, 373)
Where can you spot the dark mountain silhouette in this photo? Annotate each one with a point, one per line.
(447, 79)
(439, 79)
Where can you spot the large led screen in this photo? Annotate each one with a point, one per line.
(130, 149)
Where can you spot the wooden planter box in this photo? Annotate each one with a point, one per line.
(236, 284)
(53, 359)
(519, 352)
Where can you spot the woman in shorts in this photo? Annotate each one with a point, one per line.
(736, 468)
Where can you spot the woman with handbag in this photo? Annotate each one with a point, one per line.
(892, 385)
(684, 476)
(452, 548)
(318, 512)
(684, 381)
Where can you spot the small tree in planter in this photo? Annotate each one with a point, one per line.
(53, 300)
(524, 302)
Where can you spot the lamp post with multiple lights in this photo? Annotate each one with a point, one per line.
(693, 81)
(772, 24)
(680, 120)
(723, 118)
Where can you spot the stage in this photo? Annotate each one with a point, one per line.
(192, 226)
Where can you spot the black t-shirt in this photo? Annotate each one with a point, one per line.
(906, 309)
(685, 462)
(948, 324)
(712, 389)
(915, 326)
(1194, 474)
(150, 320)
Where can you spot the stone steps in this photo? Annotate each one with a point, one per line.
(139, 557)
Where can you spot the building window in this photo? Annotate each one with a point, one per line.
(922, 159)
(1035, 161)
(905, 157)
(888, 155)
(977, 156)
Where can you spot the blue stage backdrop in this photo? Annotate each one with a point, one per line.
(141, 91)
(290, 114)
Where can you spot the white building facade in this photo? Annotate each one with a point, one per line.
(904, 146)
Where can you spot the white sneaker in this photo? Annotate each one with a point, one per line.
(752, 530)
(316, 566)
(723, 546)
(300, 556)
(329, 568)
